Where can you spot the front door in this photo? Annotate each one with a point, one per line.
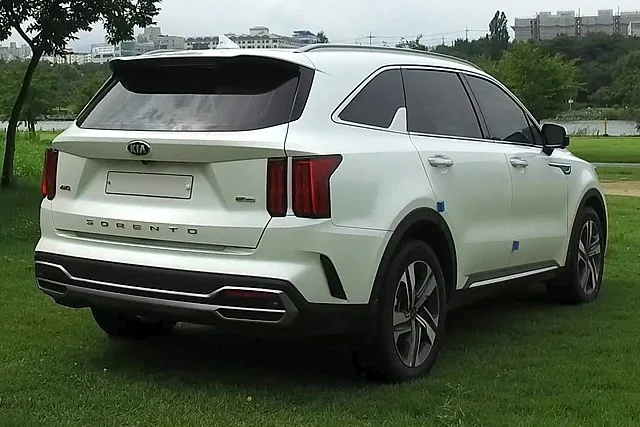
(469, 175)
(539, 217)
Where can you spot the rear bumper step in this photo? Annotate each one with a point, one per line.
(194, 297)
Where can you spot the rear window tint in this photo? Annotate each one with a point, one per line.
(378, 102)
(218, 95)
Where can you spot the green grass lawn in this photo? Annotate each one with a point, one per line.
(509, 361)
(607, 150)
(618, 174)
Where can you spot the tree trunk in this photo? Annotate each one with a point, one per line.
(12, 128)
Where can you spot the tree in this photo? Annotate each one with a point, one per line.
(413, 44)
(498, 28)
(48, 25)
(544, 83)
(498, 35)
(625, 88)
(322, 37)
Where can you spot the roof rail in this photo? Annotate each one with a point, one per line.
(332, 46)
(160, 51)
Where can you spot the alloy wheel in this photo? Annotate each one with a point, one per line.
(589, 257)
(416, 314)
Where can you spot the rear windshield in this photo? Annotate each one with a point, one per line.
(223, 94)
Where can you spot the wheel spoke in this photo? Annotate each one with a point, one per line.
(594, 247)
(409, 278)
(593, 273)
(428, 326)
(399, 318)
(417, 344)
(426, 289)
(412, 344)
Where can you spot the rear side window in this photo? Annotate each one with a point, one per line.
(438, 104)
(202, 94)
(378, 101)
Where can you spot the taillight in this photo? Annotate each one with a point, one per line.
(49, 173)
(277, 186)
(311, 196)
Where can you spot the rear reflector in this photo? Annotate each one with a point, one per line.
(311, 195)
(277, 186)
(49, 173)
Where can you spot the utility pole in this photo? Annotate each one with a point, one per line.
(370, 37)
(466, 34)
(443, 40)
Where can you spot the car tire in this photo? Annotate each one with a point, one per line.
(121, 325)
(410, 317)
(580, 281)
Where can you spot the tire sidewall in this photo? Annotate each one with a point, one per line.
(388, 359)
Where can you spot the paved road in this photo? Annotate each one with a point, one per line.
(618, 165)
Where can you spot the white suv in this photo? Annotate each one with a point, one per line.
(330, 189)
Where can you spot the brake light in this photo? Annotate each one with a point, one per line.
(49, 172)
(311, 195)
(277, 186)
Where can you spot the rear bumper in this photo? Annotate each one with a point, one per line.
(195, 297)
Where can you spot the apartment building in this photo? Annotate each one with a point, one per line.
(259, 37)
(547, 25)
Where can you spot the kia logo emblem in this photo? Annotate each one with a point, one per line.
(139, 148)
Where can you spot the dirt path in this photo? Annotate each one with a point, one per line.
(622, 188)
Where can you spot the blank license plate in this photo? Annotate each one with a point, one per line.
(149, 185)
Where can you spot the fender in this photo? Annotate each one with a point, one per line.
(594, 192)
(412, 218)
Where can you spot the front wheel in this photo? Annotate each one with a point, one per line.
(581, 280)
(411, 315)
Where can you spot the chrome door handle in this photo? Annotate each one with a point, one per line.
(440, 161)
(517, 162)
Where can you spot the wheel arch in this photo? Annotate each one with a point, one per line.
(595, 199)
(427, 225)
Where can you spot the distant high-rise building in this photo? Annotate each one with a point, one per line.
(546, 26)
(160, 41)
(11, 52)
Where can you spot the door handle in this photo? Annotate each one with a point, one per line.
(440, 161)
(517, 162)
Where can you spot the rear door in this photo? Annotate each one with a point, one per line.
(469, 175)
(175, 150)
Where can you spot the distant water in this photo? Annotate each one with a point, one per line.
(44, 126)
(597, 127)
(577, 127)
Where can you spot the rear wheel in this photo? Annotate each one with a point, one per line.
(411, 316)
(581, 279)
(121, 325)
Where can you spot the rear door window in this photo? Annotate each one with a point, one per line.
(438, 104)
(221, 94)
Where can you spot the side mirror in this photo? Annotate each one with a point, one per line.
(555, 136)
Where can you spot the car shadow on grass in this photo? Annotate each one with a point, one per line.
(201, 354)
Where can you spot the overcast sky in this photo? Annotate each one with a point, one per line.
(351, 21)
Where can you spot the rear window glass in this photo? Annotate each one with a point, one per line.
(378, 102)
(218, 95)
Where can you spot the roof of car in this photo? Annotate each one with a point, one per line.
(312, 55)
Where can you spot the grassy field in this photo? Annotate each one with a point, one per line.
(618, 174)
(509, 361)
(607, 150)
